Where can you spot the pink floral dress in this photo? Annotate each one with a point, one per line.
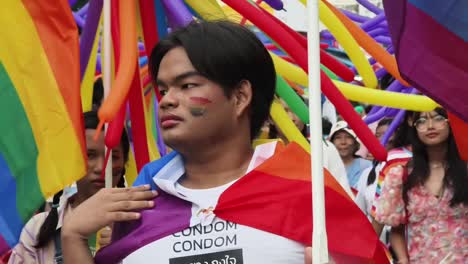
(437, 233)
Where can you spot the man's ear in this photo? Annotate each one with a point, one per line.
(242, 96)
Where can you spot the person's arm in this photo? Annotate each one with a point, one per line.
(390, 206)
(102, 209)
(378, 227)
(398, 242)
(75, 249)
(308, 255)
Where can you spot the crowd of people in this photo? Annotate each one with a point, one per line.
(215, 101)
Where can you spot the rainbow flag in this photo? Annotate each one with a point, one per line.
(274, 197)
(431, 43)
(41, 143)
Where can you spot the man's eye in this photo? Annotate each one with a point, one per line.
(188, 85)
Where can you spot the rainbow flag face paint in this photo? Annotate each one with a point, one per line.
(199, 103)
(197, 111)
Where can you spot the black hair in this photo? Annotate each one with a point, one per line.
(456, 174)
(368, 108)
(373, 174)
(356, 146)
(91, 121)
(386, 80)
(384, 122)
(326, 126)
(48, 228)
(403, 135)
(98, 94)
(225, 53)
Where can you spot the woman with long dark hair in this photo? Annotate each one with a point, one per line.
(40, 240)
(428, 197)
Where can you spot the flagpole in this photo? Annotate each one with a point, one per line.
(319, 234)
(107, 76)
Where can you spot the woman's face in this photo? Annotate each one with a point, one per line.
(293, 117)
(344, 143)
(92, 182)
(432, 128)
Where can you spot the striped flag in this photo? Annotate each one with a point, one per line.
(41, 140)
(431, 43)
(274, 197)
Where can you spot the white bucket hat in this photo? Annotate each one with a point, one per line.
(342, 125)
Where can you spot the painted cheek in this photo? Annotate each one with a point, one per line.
(198, 107)
(200, 100)
(197, 111)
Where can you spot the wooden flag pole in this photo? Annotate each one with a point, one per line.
(107, 75)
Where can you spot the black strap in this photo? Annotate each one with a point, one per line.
(58, 257)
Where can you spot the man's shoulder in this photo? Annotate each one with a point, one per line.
(151, 169)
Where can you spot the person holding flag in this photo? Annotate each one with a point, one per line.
(40, 240)
(219, 200)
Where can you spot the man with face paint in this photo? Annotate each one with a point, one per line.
(217, 83)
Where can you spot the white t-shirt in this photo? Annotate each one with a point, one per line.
(211, 239)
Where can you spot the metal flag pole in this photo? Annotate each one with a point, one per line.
(319, 233)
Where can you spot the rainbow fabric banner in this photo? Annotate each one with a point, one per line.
(431, 40)
(275, 197)
(42, 145)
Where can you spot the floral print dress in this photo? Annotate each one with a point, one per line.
(437, 232)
